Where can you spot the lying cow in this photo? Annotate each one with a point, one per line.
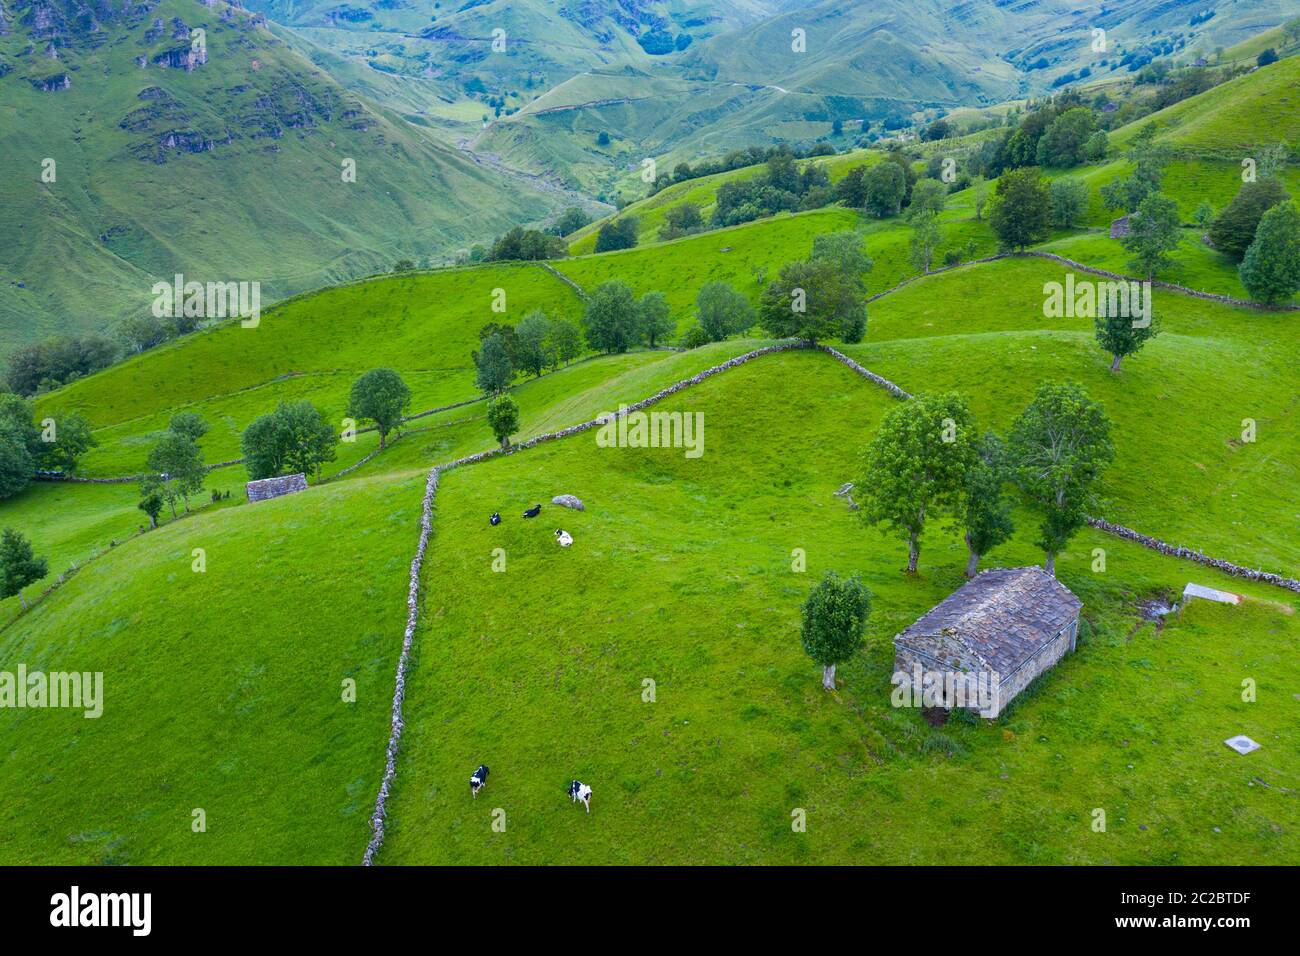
(563, 537)
(533, 512)
(495, 519)
(580, 791)
(478, 780)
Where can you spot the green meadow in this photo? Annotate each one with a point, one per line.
(249, 650)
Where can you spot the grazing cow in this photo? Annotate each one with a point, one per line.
(580, 791)
(478, 780)
(495, 519)
(563, 537)
(533, 512)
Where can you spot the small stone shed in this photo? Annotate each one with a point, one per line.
(1008, 623)
(276, 487)
(1120, 228)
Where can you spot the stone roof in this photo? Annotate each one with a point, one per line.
(1120, 228)
(995, 622)
(265, 488)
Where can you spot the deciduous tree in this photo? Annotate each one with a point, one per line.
(1271, 270)
(503, 419)
(610, 318)
(916, 466)
(834, 617)
(382, 397)
(19, 565)
(1022, 208)
(1060, 445)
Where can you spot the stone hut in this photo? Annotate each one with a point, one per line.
(997, 632)
(1120, 228)
(276, 487)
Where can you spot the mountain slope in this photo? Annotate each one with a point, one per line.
(223, 163)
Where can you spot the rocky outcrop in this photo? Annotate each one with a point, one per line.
(182, 58)
(53, 84)
(569, 501)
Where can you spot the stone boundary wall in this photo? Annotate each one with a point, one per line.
(377, 818)
(123, 479)
(399, 694)
(563, 278)
(1188, 554)
(1093, 270)
(864, 372)
(1157, 283)
(396, 723)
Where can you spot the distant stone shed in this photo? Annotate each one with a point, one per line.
(276, 487)
(1007, 625)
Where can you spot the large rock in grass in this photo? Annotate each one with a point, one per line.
(569, 501)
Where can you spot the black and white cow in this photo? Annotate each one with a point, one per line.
(478, 780)
(495, 519)
(533, 512)
(580, 791)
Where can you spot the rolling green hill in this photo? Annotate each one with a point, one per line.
(223, 166)
(228, 683)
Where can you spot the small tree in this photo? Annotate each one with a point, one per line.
(1063, 143)
(190, 424)
(654, 318)
(1149, 159)
(293, 438)
(310, 440)
(151, 498)
(806, 300)
(834, 616)
(493, 368)
(929, 197)
(1154, 231)
(1060, 445)
(610, 318)
(263, 448)
(503, 419)
(851, 190)
(566, 340)
(382, 397)
(1204, 215)
(1234, 229)
(886, 187)
(19, 565)
(979, 195)
(986, 518)
(532, 336)
(619, 234)
(1022, 208)
(1069, 199)
(1271, 270)
(1094, 150)
(178, 463)
(73, 438)
(925, 238)
(1120, 335)
(916, 466)
(722, 311)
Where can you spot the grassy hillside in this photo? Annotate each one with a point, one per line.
(222, 690)
(540, 674)
(651, 211)
(227, 689)
(231, 170)
(1228, 121)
